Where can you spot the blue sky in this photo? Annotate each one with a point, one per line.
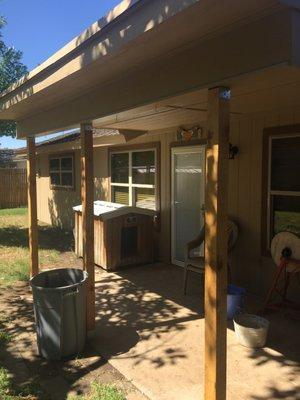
(41, 27)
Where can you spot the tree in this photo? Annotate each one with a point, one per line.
(11, 69)
(6, 158)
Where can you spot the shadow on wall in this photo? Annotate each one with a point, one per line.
(62, 202)
(101, 189)
(61, 209)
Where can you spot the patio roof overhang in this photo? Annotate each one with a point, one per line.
(149, 53)
(121, 61)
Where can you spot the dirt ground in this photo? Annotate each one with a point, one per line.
(30, 374)
(48, 379)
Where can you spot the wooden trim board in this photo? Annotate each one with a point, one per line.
(216, 210)
(32, 207)
(87, 194)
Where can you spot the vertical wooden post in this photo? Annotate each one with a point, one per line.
(32, 207)
(87, 194)
(216, 243)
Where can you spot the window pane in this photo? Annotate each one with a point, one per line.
(120, 195)
(120, 168)
(285, 164)
(55, 178)
(54, 164)
(66, 164)
(143, 167)
(67, 179)
(286, 214)
(145, 198)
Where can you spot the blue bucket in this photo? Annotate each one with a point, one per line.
(235, 300)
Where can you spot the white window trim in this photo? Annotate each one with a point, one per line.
(275, 192)
(131, 185)
(60, 171)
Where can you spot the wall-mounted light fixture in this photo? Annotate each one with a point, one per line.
(233, 151)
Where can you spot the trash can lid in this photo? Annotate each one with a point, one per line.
(59, 279)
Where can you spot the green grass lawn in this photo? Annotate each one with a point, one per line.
(55, 250)
(29, 391)
(32, 390)
(101, 392)
(55, 246)
(13, 211)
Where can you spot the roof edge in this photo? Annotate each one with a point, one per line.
(73, 45)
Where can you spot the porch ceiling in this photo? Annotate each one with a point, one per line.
(269, 90)
(144, 51)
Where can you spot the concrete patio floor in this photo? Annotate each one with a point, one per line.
(154, 336)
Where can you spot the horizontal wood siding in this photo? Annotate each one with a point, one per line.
(55, 204)
(13, 187)
(250, 268)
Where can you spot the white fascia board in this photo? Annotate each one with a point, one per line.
(257, 46)
(126, 22)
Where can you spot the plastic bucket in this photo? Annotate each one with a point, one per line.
(235, 300)
(251, 330)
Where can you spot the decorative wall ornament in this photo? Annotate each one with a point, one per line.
(185, 135)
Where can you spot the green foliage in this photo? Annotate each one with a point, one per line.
(4, 382)
(101, 392)
(105, 392)
(4, 337)
(27, 391)
(11, 69)
(6, 158)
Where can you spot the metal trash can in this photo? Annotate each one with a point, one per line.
(60, 312)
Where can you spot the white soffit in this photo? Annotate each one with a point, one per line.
(135, 37)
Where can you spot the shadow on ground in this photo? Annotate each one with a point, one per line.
(141, 305)
(50, 379)
(49, 238)
(146, 303)
(283, 350)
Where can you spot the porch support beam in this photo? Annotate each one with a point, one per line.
(32, 207)
(87, 195)
(216, 243)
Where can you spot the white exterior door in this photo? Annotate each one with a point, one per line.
(188, 195)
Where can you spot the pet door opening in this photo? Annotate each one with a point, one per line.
(129, 241)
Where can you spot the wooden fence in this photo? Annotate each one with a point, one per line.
(13, 187)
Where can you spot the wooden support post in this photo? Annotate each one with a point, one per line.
(32, 207)
(216, 243)
(87, 194)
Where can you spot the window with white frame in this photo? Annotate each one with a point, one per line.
(61, 170)
(133, 178)
(284, 185)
